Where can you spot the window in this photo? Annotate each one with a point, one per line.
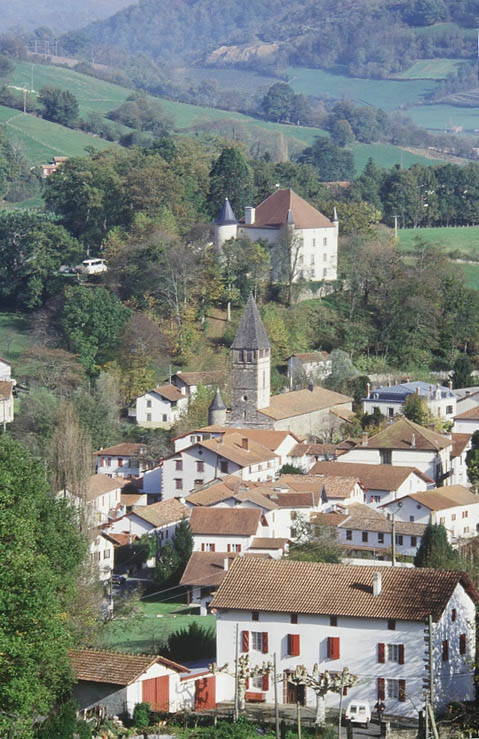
(259, 641)
(453, 517)
(395, 653)
(148, 403)
(106, 554)
(386, 456)
(164, 417)
(234, 547)
(333, 620)
(178, 465)
(364, 536)
(249, 356)
(349, 535)
(312, 259)
(224, 467)
(453, 614)
(200, 466)
(449, 410)
(208, 547)
(325, 272)
(178, 484)
(414, 541)
(148, 416)
(325, 257)
(462, 644)
(390, 412)
(293, 645)
(102, 461)
(445, 651)
(396, 690)
(333, 647)
(399, 539)
(465, 514)
(391, 624)
(294, 618)
(380, 538)
(374, 498)
(199, 482)
(108, 461)
(466, 530)
(120, 462)
(325, 241)
(255, 615)
(257, 682)
(411, 518)
(442, 520)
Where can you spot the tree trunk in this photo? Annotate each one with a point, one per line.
(320, 719)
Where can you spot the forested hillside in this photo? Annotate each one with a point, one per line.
(369, 37)
(59, 15)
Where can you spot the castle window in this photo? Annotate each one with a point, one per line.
(249, 356)
(245, 398)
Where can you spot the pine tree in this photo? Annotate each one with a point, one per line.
(435, 550)
(231, 178)
(472, 461)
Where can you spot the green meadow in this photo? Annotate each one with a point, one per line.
(429, 69)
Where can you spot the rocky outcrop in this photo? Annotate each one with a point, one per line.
(246, 54)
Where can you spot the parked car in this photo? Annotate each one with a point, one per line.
(359, 712)
(92, 266)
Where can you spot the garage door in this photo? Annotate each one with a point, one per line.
(156, 692)
(205, 693)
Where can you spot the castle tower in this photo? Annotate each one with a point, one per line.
(251, 368)
(226, 225)
(217, 410)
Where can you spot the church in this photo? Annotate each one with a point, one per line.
(286, 213)
(312, 412)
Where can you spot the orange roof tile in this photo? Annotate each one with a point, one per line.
(274, 212)
(299, 402)
(225, 521)
(125, 449)
(115, 668)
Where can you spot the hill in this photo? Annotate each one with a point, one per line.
(59, 15)
(371, 38)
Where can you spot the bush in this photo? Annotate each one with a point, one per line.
(141, 715)
(194, 642)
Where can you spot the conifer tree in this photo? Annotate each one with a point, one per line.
(435, 550)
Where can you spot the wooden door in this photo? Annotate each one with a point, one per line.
(293, 693)
(205, 693)
(156, 692)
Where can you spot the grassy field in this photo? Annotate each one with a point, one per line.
(386, 155)
(14, 337)
(440, 117)
(465, 240)
(152, 628)
(384, 94)
(432, 69)
(232, 79)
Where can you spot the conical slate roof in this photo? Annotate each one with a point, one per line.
(251, 333)
(226, 215)
(217, 402)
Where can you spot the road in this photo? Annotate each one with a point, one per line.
(372, 730)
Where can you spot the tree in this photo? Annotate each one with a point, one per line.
(42, 554)
(341, 132)
(332, 162)
(435, 550)
(232, 178)
(315, 543)
(173, 558)
(278, 103)
(462, 376)
(60, 106)
(416, 410)
(472, 462)
(54, 369)
(92, 321)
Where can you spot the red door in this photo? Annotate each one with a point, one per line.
(205, 693)
(156, 692)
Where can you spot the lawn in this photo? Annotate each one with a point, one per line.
(463, 239)
(147, 632)
(432, 69)
(385, 94)
(14, 337)
(387, 155)
(441, 117)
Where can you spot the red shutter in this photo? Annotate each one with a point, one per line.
(238, 547)
(266, 681)
(401, 654)
(381, 653)
(381, 691)
(293, 645)
(202, 547)
(402, 691)
(247, 679)
(228, 548)
(345, 691)
(333, 647)
(102, 461)
(462, 644)
(213, 548)
(120, 462)
(445, 650)
(265, 642)
(245, 641)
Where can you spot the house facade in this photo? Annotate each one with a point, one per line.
(336, 616)
(226, 529)
(315, 366)
(121, 460)
(390, 400)
(161, 407)
(467, 422)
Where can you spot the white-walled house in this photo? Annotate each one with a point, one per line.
(368, 619)
(381, 482)
(121, 460)
(407, 444)
(461, 443)
(189, 382)
(467, 422)
(315, 366)
(466, 397)
(305, 455)
(390, 399)
(160, 407)
(160, 518)
(226, 529)
(102, 555)
(453, 506)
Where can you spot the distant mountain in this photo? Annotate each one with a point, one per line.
(59, 15)
(371, 38)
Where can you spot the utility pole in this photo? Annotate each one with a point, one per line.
(276, 707)
(236, 706)
(340, 704)
(396, 227)
(431, 662)
(393, 537)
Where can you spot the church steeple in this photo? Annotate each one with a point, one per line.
(251, 370)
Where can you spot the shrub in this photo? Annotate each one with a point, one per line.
(141, 715)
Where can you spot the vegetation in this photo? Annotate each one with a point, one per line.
(435, 550)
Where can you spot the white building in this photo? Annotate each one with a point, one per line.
(407, 444)
(315, 366)
(160, 518)
(467, 422)
(189, 382)
(121, 460)
(161, 407)
(367, 619)
(226, 529)
(454, 506)
(283, 216)
(389, 400)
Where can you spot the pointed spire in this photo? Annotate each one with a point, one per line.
(251, 333)
(226, 215)
(289, 218)
(335, 215)
(217, 402)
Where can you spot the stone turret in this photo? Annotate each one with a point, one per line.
(226, 225)
(217, 410)
(251, 369)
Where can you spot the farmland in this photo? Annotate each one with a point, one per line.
(462, 239)
(440, 117)
(429, 69)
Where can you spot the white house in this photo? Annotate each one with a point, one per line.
(305, 455)
(121, 460)
(467, 422)
(102, 554)
(6, 402)
(285, 215)
(461, 443)
(407, 444)
(226, 529)
(381, 482)
(371, 620)
(118, 681)
(466, 397)
(453, 506)
(389, 400)
(160, 407)
(309, 366)
(160, 518)
(189, 382)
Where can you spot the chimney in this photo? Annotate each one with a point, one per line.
(413, 441)
(377, 583)
(417, 389)
(364, 438)
(249, 215)
(244, 443)
(368, 390)
(449, 384)
(226, 564)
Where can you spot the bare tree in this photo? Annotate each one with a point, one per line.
(287, 260)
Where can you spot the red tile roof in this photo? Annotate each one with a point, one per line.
(472, 414)
(274, 212)
(225, 521)
(116, 668)
(372, 476)
(125, 449)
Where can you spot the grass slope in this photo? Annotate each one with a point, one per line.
(14, 337)
(441, 117)
(41, 140)
(464, 239)
(432, 69)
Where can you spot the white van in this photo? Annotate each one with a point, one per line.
(359, 712)
(92, 266)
